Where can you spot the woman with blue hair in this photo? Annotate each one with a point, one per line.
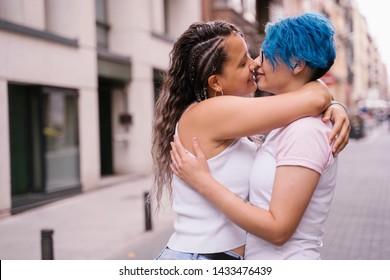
(293, 177)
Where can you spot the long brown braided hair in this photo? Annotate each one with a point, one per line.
(197, 54)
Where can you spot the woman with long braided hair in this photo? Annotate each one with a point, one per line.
(205, 94)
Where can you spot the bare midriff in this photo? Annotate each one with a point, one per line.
(240, 250)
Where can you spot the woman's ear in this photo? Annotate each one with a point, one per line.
(298, 66)
(214, 83)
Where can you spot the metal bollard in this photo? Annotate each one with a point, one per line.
(148, 212)
(47, 244)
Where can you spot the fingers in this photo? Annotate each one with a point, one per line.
(174, 158)
(339, 135)
(177, 152)
(174, 170)
(178, 155)
(179, 146)
(197, 149)
(341, 141)
(336, 130)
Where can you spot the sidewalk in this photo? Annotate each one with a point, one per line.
(97, 225)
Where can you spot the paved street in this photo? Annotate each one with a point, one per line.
(359, 223)
(109, 223)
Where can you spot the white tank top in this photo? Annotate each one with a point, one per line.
(199, 226)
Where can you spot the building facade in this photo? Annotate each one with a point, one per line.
(77, 91)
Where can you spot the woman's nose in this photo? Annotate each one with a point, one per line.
(255, 64)
(258, 61)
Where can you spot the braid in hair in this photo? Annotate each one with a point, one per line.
(197, 54)
(202, 59)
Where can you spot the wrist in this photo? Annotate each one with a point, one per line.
(208, 186)
(201, 182)
(340, 104)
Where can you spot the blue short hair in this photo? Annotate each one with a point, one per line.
(308, 38)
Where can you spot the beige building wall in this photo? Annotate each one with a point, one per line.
(31, 60)
(361, 57)
(26, 12)
(339, 69)
(137, 31)
(5, 172)
(384, 83)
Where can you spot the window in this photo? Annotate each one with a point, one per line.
(157, 82)
(246, 8)
(102, 26)
(160, 16)
(60, 133)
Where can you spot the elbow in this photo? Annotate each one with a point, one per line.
(275, 231)
(279, 241)
(279, 238)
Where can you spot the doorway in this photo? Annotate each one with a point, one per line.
(44, 148)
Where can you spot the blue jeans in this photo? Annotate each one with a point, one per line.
(169, 254)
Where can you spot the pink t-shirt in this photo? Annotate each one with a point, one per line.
(304, 143)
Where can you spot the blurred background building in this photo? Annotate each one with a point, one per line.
(79, 81)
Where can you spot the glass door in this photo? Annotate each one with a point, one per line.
(60, 132)
(44, 146)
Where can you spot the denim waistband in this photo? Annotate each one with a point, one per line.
(228, 255)
(169, 254)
